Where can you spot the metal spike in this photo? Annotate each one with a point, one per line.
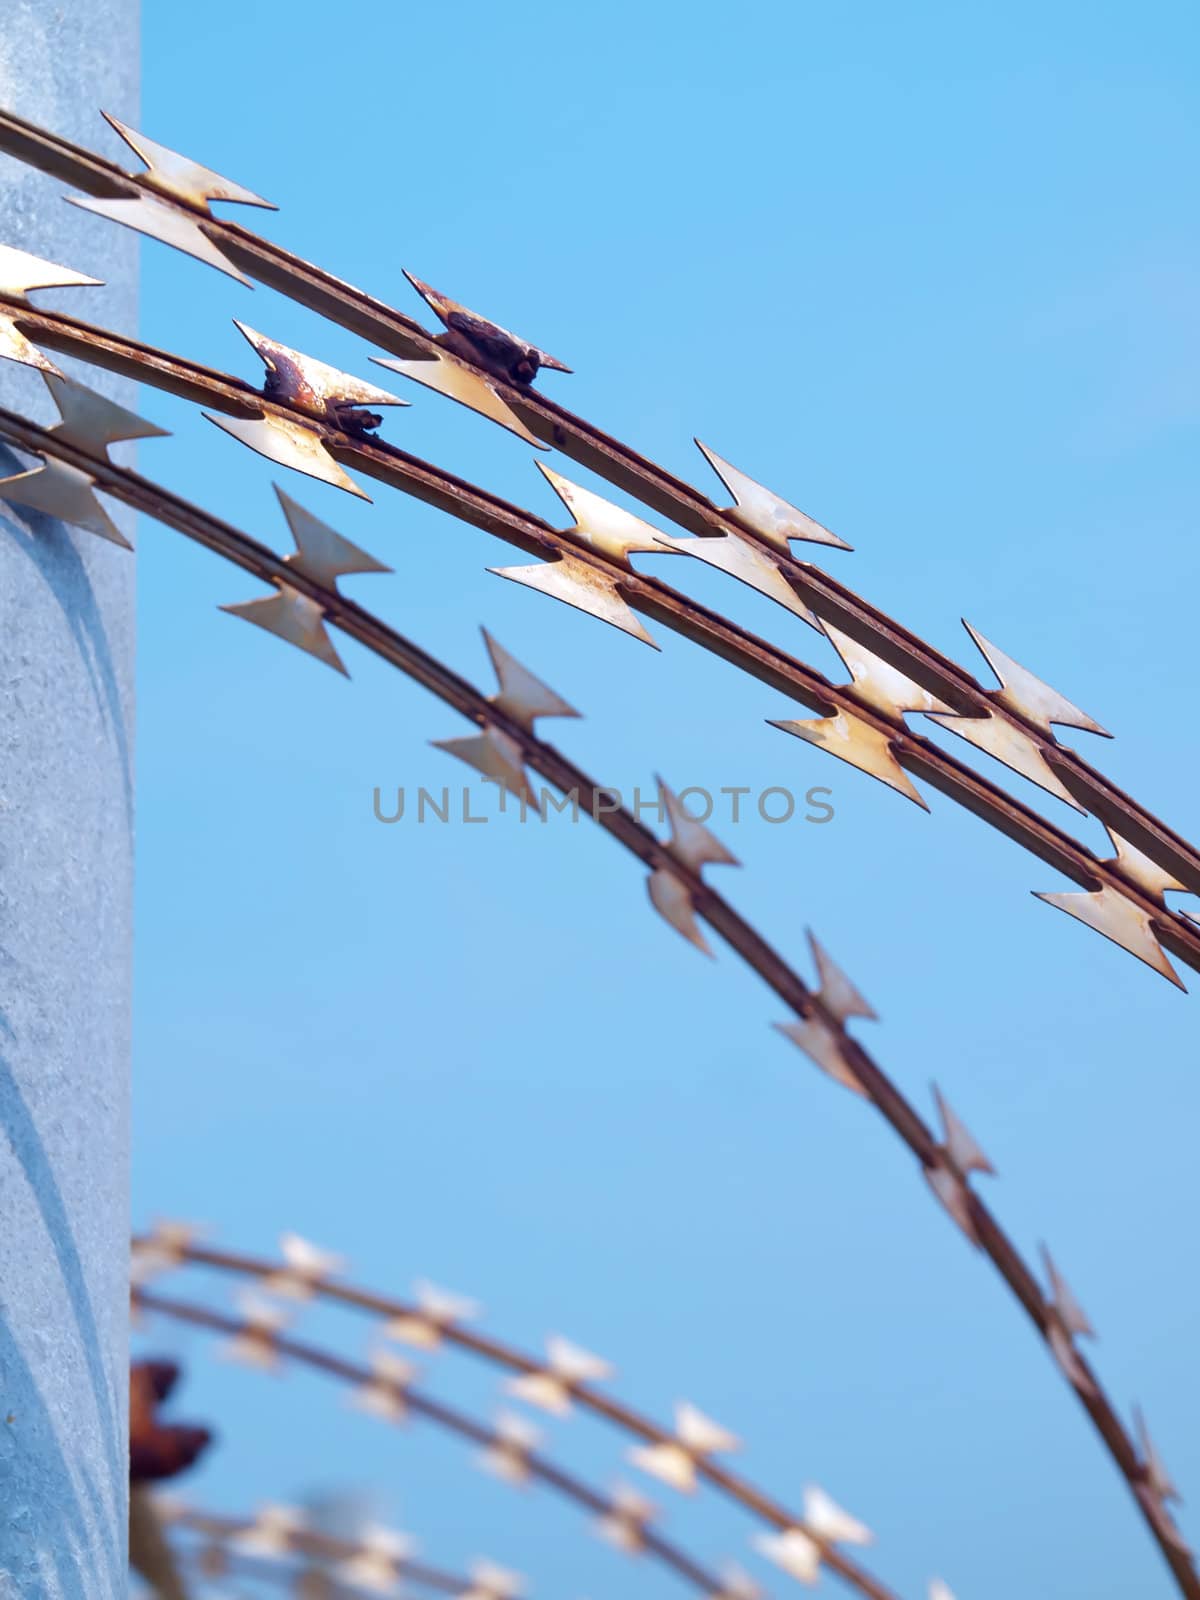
(858, 743)
(1028, 696)
(1070, 1312)
(507, 1456)
(446, 374)
(306, 1267)
(626, 1521)
(765, 513)
(793, 1552)
(385, 1393)
(14, 346)
(823, 1046)
(958, 1143)
(482, 332)
(295, 618)
(1011, 746)
(552, 1386)
(939, 1590)
(674, 1461)
(499, 757)
(876, 682)
(1161, 1518)
(1140, 869)
(736, 1585)
(490, 1582)
(1157, 1478)
(21, 273)
(838, 995)
(1066, 1322)
(91, 420)
(62, 491)
(158, 219)
(290, 444)
(599, 524)
(164, 1248)
(256, 1343)
(673, 901)
(377, 1564)
(437, 1311)
(271, 1532)
(691, 842)
(321, 554)
(522, 696)
(1110, 913)
(829, 1522)
(315, 385)
(181, 177)
(745, 562)
(954, 1195)
(581, 585)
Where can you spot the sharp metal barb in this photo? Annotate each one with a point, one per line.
(602, 526)
(583, 586)
(437, 1312)
(61, 491)
(1066, 1322)
(292, 616)
(958, 1156)
(490, 1582)
(1028, 696)
(385, 1394)
(289, 444)
(876, 682)
(306, 1267)
(508, 1456)
(857, 742)
(503, 352)
(522, 697)
(92, 421)
(793, 1552)
(627, 1520)
(179, 176)
(745, 562)
(327, 392)
(1110, 913)
(161, 220)
(694, 846)
(447, 375)
(321, 554)
(674, 1461)
(765, 513)
(1012, 746)
(838, 994)
(14, 346)
(824, 1046)
(498, 756)
(552, 1387)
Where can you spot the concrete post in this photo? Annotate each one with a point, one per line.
(66, 836)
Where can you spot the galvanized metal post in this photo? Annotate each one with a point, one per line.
(66, 821)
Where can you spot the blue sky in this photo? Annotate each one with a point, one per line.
(933, 273)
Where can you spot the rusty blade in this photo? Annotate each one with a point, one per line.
(1118, 919)
(862, 745)
(312, 385)
(1032, 699)
(58, 490)
(293, 617)
(876, 682)
(1010, 744)
(179, 176)
(514, 357)
(15, 346)
(159, 219)
(289, 444)
(20, 273)
(765, 513)
(583, 586)
(745, 562)
(459, 381)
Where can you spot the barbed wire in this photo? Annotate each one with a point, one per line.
(376, 1562)
(488, 369)
(298, 611)
(386, 1391)
(588, 566)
